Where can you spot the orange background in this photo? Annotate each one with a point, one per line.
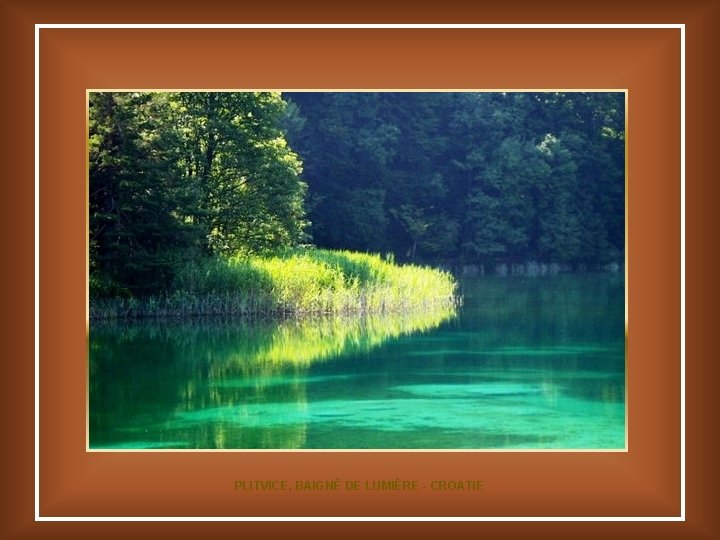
(645, 481)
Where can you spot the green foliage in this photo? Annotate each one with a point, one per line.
(136, 195)
(343, 281)
(176, 176)
(187, 187)
(297, 282)
(479, 177)
(237, 156)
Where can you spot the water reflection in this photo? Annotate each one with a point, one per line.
(196, 384)
(525, 363)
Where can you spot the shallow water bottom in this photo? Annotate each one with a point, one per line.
(524, 364)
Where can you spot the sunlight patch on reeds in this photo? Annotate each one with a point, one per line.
(291, 283)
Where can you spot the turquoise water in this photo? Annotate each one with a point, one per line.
(523, 363)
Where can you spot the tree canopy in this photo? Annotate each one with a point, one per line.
(452, 177)
(465, 176)
(176, 176)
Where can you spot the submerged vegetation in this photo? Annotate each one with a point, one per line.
(291, 282)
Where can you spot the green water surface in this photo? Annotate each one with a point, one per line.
(524, 362)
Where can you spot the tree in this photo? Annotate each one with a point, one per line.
(235, 152)
(559, 222)
(177, 176)
(136, 194)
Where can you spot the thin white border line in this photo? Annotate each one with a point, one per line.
(681, 27)
(353, 518)
(37, 271)
(682, 271)
(383, 26)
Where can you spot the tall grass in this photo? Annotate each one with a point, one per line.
(293, 282)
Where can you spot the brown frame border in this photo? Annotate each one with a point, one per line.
(66, 64)
(699, 18)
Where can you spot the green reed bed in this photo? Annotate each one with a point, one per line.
(291, 283)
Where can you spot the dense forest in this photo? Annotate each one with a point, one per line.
(465, 177)
(180, 179)
(177, 177)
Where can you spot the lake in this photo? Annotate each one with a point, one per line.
(522, 363)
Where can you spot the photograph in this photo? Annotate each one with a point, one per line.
(357, 270)
(330, 275)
